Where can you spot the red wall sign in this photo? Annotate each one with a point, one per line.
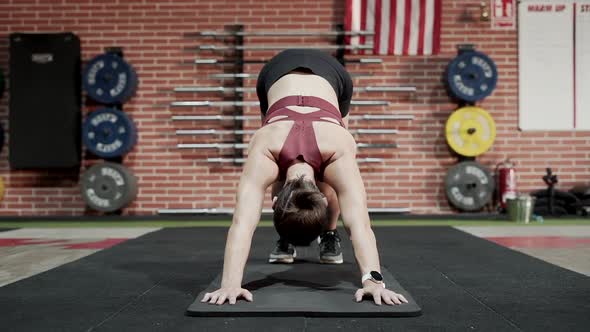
(503, 14)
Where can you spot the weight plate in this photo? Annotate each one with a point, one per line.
(558, 211)
(1, 83)
(469, 186)
(108, 133)
(109, 79)
(108, 187)
(471, 76)
(557, 203)
(1, 188)
(581, 190)
(470, 131)
(1, 137)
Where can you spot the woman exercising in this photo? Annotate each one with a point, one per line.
(306, 153)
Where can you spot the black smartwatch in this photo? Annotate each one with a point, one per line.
(375, 277)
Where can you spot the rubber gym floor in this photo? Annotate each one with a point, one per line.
(142, 275)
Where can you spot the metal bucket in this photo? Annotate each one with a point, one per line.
(520, 208)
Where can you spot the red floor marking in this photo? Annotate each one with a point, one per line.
(107, 243)
(102, 244)
(541, 241)
(25, 242)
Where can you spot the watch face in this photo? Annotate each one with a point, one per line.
(376, 275)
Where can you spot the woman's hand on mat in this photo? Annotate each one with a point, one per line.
(230, 294)
(378, 292)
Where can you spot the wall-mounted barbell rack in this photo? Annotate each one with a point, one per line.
(223, 89)
(281, 47)
(229, 212)
(253, 76)
(251, 132)
(190, 103)
(245, 145)
(243, 160)
(237, 35)
(283, 33)
(224, 62)
(253, 117)
(238, 103)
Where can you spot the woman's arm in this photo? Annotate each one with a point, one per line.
(344, 176)
(258, 173)
(345, 121)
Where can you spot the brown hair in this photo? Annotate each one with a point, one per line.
(300, 213)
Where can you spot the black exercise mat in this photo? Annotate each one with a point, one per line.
(462, 283)
(307, 289)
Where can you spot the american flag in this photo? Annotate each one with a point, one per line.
(402, 27)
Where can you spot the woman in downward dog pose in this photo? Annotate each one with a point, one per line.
(305, 152)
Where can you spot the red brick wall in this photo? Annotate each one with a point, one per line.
(153, 36)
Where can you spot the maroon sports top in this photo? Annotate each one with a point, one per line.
(301, 144)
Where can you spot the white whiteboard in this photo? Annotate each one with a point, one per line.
(554, 65)
(583, 65)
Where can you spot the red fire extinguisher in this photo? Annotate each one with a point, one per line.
(506, 174)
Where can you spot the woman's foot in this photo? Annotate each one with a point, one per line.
(330, 251)
(283, 253)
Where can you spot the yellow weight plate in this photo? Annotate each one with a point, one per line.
(470, 131)
(1, 188)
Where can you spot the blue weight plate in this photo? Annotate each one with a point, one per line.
(109, 133)
(471, 76)
(109, 79)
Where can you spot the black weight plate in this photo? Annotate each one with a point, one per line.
(471, 76)
(566, 197)
(571, 208)
(1, 83)
(558, 211)
(109, 79)
(469, 186)
(581, 191)
(108, 187)
(108, 133)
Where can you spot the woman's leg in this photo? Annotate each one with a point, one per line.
(333, 207)
(283, 252)
(329, 241)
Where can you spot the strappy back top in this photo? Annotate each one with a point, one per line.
(301, 144)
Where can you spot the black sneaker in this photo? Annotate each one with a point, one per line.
(284, 253)
(330, 251)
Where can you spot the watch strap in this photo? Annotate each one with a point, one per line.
(369, 276)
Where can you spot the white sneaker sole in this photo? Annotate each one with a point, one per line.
(339, 260)
(282, 259)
